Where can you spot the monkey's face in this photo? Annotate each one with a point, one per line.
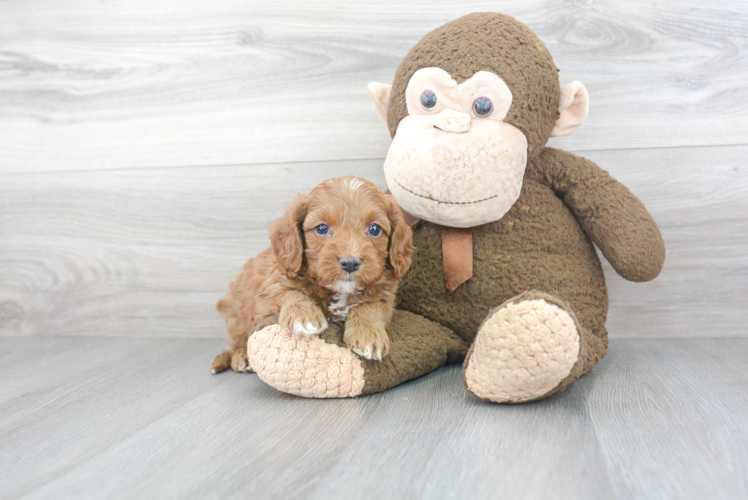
(454, 161)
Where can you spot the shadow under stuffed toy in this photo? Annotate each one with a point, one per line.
(505, 276)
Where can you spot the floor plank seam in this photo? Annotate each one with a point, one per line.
(599, 447)
(581, 152)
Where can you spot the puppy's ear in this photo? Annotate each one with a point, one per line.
(401, 239)
(287, 239)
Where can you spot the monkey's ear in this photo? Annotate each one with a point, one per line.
(380, 96)
(572, 109)
(287, 239)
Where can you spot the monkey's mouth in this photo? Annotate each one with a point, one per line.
(445, 202)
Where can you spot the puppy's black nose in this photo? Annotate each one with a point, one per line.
(350, 264)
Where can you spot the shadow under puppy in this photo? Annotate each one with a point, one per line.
(336, 255)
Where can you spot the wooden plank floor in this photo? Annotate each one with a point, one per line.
(143, 418)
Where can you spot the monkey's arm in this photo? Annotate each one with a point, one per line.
(609, 213)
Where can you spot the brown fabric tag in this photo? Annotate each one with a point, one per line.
(457, 248)
(410, 220)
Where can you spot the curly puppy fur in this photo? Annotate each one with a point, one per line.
(306, 278)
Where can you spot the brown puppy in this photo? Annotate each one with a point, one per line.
(337, 254)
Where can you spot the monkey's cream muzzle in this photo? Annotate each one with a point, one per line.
(448, 165)
(452, 121)
(457, 179)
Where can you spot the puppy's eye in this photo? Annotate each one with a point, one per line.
(482, 106)
(375, 230)
(428, 99)
(321, 229)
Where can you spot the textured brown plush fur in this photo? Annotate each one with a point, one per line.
(419, 346)
(486, 41)
(543, 245)
(542, 248)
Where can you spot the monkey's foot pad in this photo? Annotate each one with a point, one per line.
(522, 352)
(304, 365)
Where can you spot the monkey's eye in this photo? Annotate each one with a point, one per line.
(321, 229)
(375, 230)
(482, 106)
(428, 99)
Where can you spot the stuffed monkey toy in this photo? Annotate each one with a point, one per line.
(505, 277)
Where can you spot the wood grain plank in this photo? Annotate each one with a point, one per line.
(36, 372)
(241, 437)
(91, 85)
(79, 417)
(656, 419)
(697, 196)
(149, 252)
(449, 444)
(672, 418)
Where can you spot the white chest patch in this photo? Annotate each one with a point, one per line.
(339, 306)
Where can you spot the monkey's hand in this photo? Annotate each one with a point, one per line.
(615, 219)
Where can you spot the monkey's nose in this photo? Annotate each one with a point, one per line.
(452, 121)
(350, 264)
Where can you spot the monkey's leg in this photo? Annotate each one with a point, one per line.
(322, 367)
(529, 348)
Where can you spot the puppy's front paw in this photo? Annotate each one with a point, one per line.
(368, 341)
(303, 319)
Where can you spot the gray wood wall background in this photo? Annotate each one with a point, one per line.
(145, 145)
